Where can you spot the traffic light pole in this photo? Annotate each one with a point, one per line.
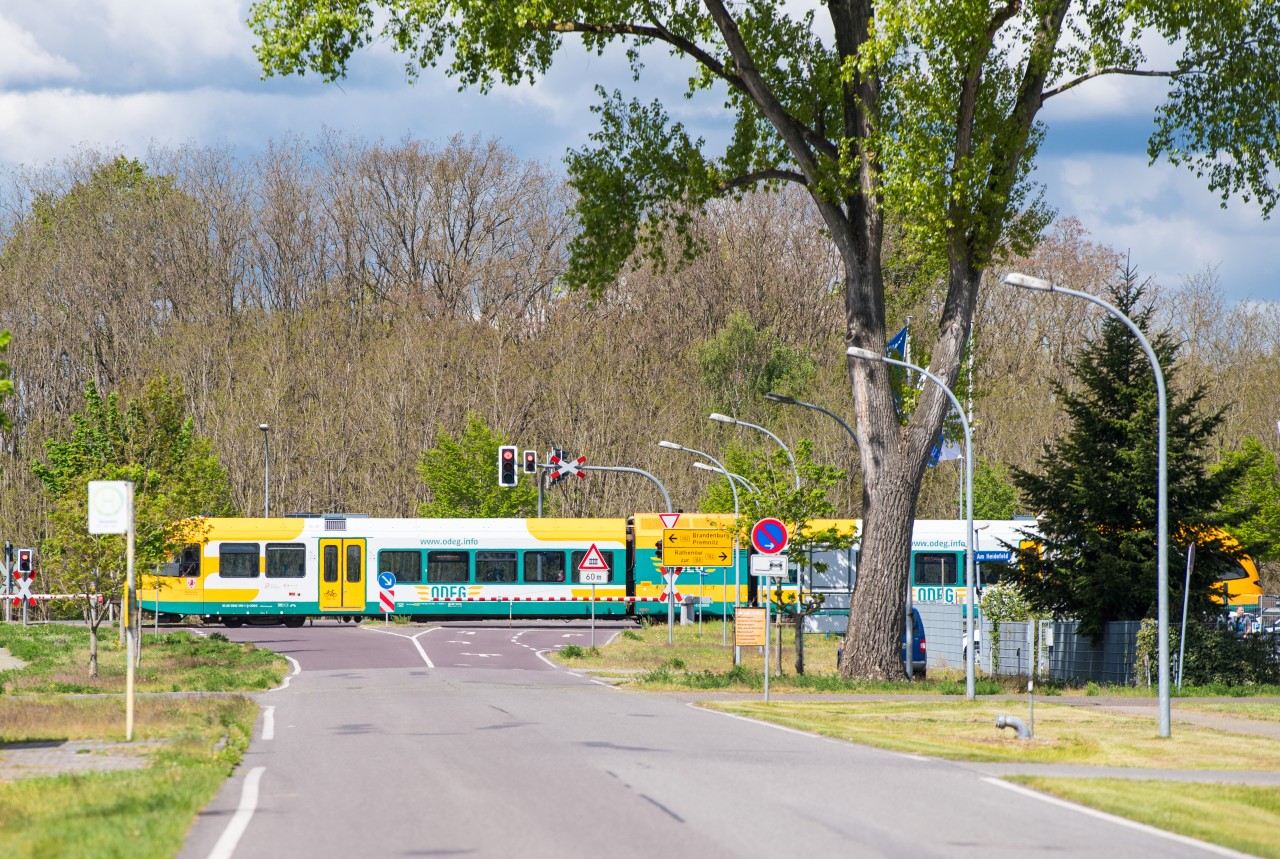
(8, 567)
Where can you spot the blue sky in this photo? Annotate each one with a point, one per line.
(122, 74)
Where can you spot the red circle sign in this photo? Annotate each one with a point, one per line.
(769, 536)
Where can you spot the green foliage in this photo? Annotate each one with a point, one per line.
(740, 364)
(462, 476)
(994, 495)
(6, 383)
(1002, 602)
(1215, 655)
(150, 442)
(1095, 494)
(1254, 500)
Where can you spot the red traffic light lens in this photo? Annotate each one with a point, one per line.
(508, 454)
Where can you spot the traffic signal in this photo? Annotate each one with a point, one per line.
(657, 550)
(507, 465)
(25, 560)
(530, 462)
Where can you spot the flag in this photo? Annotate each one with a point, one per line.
(944, 450)
(898, 343)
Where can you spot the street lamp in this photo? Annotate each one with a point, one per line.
(266, 470)
(737, 574)
(868, 355)
(1162, 482)
(746, 484)
(792, 401)
(725, 419)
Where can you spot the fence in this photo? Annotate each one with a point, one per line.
(1062, 653)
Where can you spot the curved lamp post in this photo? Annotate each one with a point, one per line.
(725, 419)
(746, 484)
(792, 401)
(868, 355)
(1162, 483)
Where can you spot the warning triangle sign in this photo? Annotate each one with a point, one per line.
(669, 520)
(593, 561)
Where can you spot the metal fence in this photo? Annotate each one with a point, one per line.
(1052, 648)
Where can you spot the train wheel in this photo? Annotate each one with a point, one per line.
(357, 619)
(294, 621)
(232, 622)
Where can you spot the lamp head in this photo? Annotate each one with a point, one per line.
(1026, 281)
(780, 398)
(669, 445)
(724, 419)
(705, 467)
(264, 427)
(864, 354)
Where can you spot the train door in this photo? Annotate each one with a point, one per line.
(342, 575)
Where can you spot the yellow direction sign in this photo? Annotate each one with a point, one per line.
(697, 547)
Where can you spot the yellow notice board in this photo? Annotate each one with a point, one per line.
(750, 629)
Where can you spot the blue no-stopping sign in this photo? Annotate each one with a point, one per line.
(769, 536)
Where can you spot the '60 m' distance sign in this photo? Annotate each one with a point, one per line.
(769, 536)
(110, 506)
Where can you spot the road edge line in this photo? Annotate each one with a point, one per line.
(1116, 819)
(297, 669)
(226, 845)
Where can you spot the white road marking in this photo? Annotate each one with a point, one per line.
(413, 638)
(572, 635)
(230, 837)
(297, 669)
(481, 655)
(268, 723)
(1119, 821)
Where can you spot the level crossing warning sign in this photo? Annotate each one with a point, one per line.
(386, 592)
(594, 569)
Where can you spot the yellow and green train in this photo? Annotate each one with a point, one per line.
(347, 567)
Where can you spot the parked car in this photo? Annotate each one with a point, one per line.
(919, 657)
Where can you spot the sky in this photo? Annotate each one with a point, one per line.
(121, 75)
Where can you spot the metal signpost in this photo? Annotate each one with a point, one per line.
(593, 570)
(767, 567)
(386, 595)
(111, 512)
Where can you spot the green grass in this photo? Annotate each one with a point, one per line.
(965, 730)
(58, 657)
(1241, 817)
(137, 813)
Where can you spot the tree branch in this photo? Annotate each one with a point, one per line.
(763, 176)
(1111, 70)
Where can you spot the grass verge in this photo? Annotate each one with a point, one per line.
(965, 730)
(178, 661)
(1241, 817)
(137, 813)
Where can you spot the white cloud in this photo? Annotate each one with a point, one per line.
(1168, 219)
(24, 61)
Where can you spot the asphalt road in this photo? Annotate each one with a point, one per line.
(460, 740)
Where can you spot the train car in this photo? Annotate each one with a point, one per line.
(292, 568)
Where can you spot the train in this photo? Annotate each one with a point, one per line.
(348, 567)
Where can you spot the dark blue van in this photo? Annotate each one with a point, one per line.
(918, 655)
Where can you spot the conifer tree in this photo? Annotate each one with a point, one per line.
(1095, 493)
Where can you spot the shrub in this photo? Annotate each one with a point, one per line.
(1214, 656)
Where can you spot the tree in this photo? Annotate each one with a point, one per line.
(6, 383)
(462, 475)
(176, 481)
(924, 114)
(1095, 492)
(1254, 503)
(994, 495)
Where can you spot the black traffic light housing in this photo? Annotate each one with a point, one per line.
(657, 550)
(26, 560)
(530, 462)
(507, 465)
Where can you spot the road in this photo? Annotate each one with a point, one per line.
(461, 740)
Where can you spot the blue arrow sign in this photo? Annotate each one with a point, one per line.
(386, 580)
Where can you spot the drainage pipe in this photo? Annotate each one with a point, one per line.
(1024, 733)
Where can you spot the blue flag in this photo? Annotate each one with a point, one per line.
(898, 343)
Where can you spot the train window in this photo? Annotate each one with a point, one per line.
(1234, 574)
(575, 561)
(238, 560)
(406, 566)
(330, 564)
(544, 566)
(935, 569)
(286, 560)
(353, 563)
(189, 560)
(448, 567)
(496, 566)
